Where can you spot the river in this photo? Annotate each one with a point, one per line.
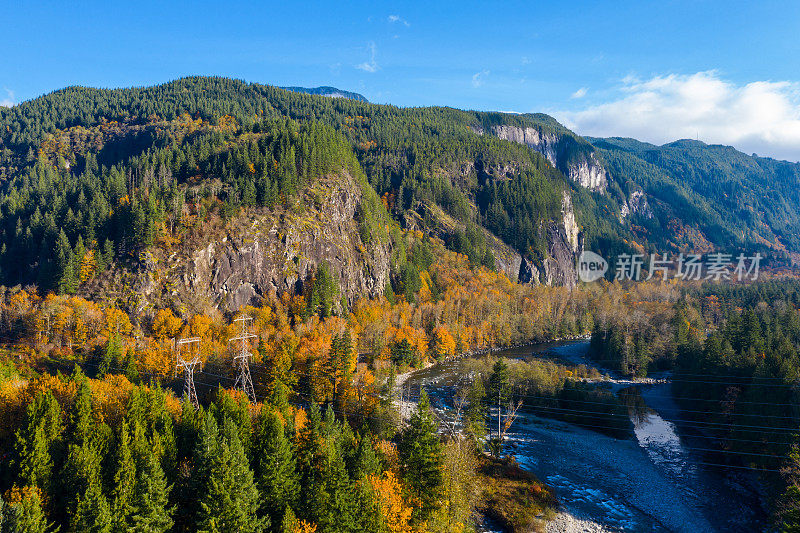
(656, 480)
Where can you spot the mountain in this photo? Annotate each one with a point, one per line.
(326, 90)
(210, 192)
(714, 192)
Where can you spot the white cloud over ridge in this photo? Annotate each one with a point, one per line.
(8, 101)
(760, 116)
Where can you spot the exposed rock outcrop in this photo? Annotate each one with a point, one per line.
(583, 168)
(564, 245)
(588, 172)
(636, 204)
(544, 143)
(255, 254)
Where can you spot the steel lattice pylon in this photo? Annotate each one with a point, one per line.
(188, 364)
(241, 360)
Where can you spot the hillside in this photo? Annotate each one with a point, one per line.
(98, 184)
(735, 199)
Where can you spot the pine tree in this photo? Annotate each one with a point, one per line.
(367, 461)
(311, 465)
(498, 383)
(275, 466)
(110, 355)
(124, 481)
(64, 265)
(35, 463)
(231, 499)
(150, 505)
(290, 523)
(421, 459)
(340, 514)
(92, 513)
(82, 423)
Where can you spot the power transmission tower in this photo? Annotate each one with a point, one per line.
(241, 359)
(188, 363)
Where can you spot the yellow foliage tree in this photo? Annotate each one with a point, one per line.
(166, 324)
(88, 266)
(395, 512)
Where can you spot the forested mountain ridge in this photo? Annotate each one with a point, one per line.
(143, 147)
(93, 178)
(734, 198)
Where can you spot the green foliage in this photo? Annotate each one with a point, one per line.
(323, 293)
(230, 500)
(402, 353)
(151, 512)
(421, 459)
(38, 443)
(26, 516)
(124, 482)
(275, 468)
(499, 386)
(735, 199)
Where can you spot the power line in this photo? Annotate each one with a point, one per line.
(242, 358)
(188, 367)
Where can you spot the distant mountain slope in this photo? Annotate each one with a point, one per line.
(326, 90)
(733, 198)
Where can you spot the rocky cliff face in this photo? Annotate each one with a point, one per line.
(564, 245)
(544, 143)
(583, 168)
(588, 172)
(636, 204)
(279, 250)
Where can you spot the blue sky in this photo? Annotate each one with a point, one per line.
(719, 71)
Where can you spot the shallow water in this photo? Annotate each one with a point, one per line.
(653, 481)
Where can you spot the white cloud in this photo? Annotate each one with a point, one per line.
(761, 116)
(8, 101)
(372, 64)
(479, 77)
(580, 93)
(399, 19)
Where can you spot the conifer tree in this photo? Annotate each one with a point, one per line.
(110, 355)
(124, 481)
(367, 461)
(230, 500)
(64, 265)
(35, 463)
(26, 516)
(151, 512)
(275, 466)
(340, 514)
(290, 523)
(82, 424)
(92, 512)
(421, 458)
(311, 465)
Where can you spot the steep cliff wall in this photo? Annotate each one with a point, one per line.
(256, 253)
(580, 166)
